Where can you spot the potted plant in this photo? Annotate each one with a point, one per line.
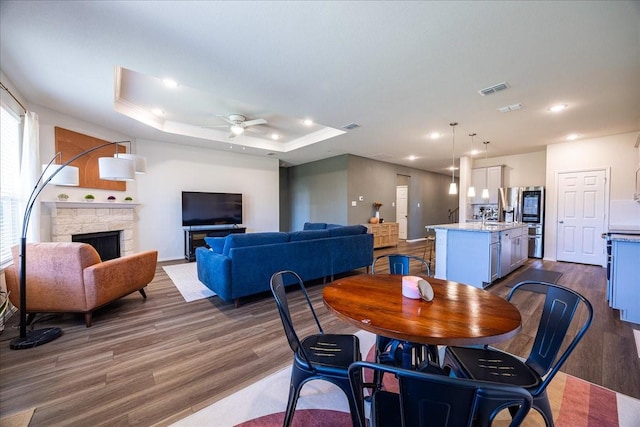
(128, 199)
(111, 199)
(89, 198)
(63, 197)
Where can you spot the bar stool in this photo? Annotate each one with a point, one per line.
(430, 247)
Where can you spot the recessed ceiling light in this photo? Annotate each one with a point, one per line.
(474, 152)
(412, 157)
(452, 168)
(275, 136)
(557, 108)
(572, 137)
(157, 111)
(434, 135)
(170, 83)
(307, 122)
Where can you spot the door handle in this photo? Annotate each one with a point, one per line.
(561, 222)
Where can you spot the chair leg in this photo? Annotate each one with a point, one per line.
(88, 317)
(143, 293)
(541, 404)
(295, 384)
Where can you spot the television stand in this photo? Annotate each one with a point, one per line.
(195, 237)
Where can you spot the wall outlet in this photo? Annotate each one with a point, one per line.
(418, 204)
(354, 203)
(393, 204)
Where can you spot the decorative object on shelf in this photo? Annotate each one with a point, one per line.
(63, 197)
(89, 198)
(453, 187)
(376, 206)
(485, 191)
(471, 192)
(59, 174)
(128, 199)
(111, 199)
(374, 220)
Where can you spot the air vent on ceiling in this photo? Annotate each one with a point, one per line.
(351, 126)
(512, 107)
(493, 89)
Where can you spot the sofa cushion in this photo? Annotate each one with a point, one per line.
(347, 230)
(215, 243)
(314, 226)
(334, 225)
(296, 236)
(239, 240)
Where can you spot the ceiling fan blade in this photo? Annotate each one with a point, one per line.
(255, 122)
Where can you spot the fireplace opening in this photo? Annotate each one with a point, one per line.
(107, 243)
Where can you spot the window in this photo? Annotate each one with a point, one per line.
(9, 182)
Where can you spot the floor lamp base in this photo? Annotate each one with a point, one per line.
(35, 338)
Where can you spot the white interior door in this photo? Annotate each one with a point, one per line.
(581, 217)
(402, 203)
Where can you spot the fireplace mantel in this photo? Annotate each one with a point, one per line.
(89, 205)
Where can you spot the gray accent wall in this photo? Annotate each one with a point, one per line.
(324, 191)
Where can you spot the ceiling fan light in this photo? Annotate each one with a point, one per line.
(237, 129)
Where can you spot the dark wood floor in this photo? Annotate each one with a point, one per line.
(153, 362)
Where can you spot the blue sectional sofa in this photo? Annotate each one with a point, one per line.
(239, 265)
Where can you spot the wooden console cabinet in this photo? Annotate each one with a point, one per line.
(385, 234)
(195, 238)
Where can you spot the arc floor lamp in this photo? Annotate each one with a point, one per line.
(120, 167)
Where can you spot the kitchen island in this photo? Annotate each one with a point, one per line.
(477, 254)
(623, 272)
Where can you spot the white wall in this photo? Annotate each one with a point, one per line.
(174, 168)
(171, 169)
(615, 153)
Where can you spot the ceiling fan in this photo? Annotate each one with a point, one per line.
(239, 123)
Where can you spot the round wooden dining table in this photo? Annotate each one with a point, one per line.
(458, 314)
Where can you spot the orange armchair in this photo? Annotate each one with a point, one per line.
(71, 278)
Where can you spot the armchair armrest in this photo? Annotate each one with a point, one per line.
(109, 280)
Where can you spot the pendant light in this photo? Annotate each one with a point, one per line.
(471, 192)
(485, 190)
(453, 188)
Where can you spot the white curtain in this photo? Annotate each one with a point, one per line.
(30, 170)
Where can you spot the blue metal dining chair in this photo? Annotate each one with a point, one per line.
(545, 357)
(318, 356)
(436, 400)
(390, 351)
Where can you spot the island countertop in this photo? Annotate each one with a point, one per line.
(488, 227)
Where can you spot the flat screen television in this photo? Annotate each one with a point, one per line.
(199, 209)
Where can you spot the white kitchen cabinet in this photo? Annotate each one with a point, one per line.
(513, 249)
(490, 178)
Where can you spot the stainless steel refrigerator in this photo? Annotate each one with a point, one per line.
(525, 205)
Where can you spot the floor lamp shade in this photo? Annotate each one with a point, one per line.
(140, 163)
(66, 175)
(116, 169)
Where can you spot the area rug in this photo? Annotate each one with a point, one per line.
(185, 278)
(575, 403)
(535, 274)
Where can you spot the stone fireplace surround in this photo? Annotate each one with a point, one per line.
(69, 218)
